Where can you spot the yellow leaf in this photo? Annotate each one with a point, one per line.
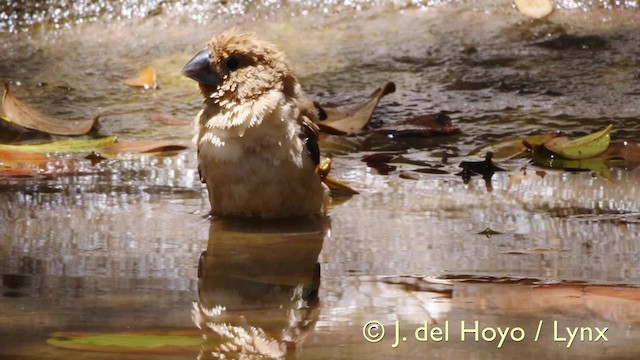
(338, 188)
(146, 79)
(64, 146)
(585, 147)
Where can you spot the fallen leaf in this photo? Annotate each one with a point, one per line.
(489, 232)
(95, 158)
(19, 164)
(408, 175)
(584, 147)
(146, 146)
(546, 158)
(486, 168)
(157, 342)
(21, 114)
(21, 157)
(429, 170)
(338, 188)
(63, 146)
(536, 9)
(168, 119)
(511, 148)
(20, 172)
(627, 150)
(10, 132)
(351, 120)
(147, 78)
(378, 158)
(438, 122)
(423, 126)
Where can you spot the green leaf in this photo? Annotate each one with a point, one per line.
(585, 147)
(546, 158)
(63, 146)
(152, 342)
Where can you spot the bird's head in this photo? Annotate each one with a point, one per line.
(238, 67)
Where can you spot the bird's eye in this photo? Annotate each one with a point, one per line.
(232, 63)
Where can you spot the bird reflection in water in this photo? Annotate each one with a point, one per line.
(258, 286)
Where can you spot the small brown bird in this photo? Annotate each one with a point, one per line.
(256, 137)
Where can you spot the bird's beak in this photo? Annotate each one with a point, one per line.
(199, 69)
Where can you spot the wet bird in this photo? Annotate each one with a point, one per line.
(256, 137)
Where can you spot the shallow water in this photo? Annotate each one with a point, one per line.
(123, 246)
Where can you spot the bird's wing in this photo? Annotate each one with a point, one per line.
(309, 136)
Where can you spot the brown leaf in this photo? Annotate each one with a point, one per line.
(423, 126)
(438, 122)
(11, 172)
(147, 78)
(168, 119)
(22, 157)
(21, 114)
(19, 164)
(146, 146)
(10, 132)
(347, 121)
(628, 150)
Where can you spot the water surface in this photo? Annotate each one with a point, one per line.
(124, 245)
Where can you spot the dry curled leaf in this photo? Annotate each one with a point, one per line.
(21, 114)
(337, 121)
(10, 132)
(147, 78)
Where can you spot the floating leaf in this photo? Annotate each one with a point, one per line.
(424, 126)
(627, 150)
(19, 172)
(486, 168)
(10, 132)
(147, 79)
(21, 157)
(95, 158)
(546, 158)
(408, 175)
(338, 188)
(63, 146)
(347, 121)
(168, 119)
(146, 146)
(585, 147)
(19, 164)
(489, 232)
(21, 114)
(536, 9)
(438, 123)
(160, 342)
(511, 148)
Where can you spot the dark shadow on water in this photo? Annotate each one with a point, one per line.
(258, 286)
